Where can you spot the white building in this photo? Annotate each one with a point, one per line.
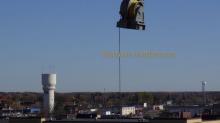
(128, 111)
(158, 107)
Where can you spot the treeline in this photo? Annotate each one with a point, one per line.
(138, 98)
(96, 99)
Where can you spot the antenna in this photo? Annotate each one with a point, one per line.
(119, 61)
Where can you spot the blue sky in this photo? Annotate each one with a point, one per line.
(69, 36)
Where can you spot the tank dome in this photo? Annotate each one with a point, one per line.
(48, 80)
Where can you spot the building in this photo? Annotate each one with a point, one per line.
(24, 120)
(194, 109)
(128, 111)
(158, 107)
(159, 120)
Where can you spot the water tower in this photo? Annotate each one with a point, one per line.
(49, 86)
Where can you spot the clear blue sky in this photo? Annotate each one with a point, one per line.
(71, 35)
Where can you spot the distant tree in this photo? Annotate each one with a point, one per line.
(144, 97)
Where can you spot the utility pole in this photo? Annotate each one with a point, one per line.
(204, 92)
